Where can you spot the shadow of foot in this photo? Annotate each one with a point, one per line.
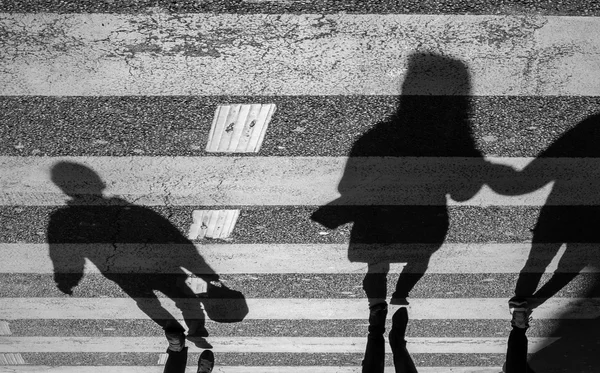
(200, 342)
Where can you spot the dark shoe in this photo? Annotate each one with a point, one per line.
(206, 362)
(175, 336)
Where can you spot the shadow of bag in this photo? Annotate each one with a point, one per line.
(223, 304)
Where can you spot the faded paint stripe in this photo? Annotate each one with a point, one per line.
(291, 54)
(293, 258)
(254, 181)
(259, 344)
(293, 309)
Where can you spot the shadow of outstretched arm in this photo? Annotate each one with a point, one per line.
(508, 181)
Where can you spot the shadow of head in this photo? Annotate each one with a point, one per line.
(430, 74)
(75, 179)
(432, 118)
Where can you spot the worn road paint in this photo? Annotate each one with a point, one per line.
(297, 258)
(294, 308)
(292, 54)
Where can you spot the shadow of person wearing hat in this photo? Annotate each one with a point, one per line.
(133, 246)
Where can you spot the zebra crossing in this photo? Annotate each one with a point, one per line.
(130, 91)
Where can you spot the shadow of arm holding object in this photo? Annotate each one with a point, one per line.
(333, 215)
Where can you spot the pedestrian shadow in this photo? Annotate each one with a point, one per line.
(400, 172)
(570, 219)
(133, 246)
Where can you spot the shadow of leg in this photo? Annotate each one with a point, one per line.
(411, 274)
(569, 267)
(151, 306)
(375, 283)
(540, 256)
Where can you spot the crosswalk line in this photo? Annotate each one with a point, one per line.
(229, 369)
(259, 344)
(290, 258)
(291, 308)
(153, 53)
(272, 181)
(341, 54)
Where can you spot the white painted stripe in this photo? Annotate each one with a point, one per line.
(310, 180)
(292, 54)
(294, 309)
(229, 369)
(290, 258)
(259, 344)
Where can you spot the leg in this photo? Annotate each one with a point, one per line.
(177, 359)
(374, 360)
(516, 353)
(403, 363)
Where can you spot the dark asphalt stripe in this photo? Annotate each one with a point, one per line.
(510, 7)
(292, 224)
(291, 328)
(313, 286)
(513, 126)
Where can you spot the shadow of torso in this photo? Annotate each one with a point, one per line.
(123, 241)
(400, 174)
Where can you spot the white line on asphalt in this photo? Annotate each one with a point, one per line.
(450, 258)
(269, 181)
(259, 344)
(68, 308)
(293, 54)
(230, 369)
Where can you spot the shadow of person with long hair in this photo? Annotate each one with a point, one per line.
(570, 218)
(396, 183)
(133, 246)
